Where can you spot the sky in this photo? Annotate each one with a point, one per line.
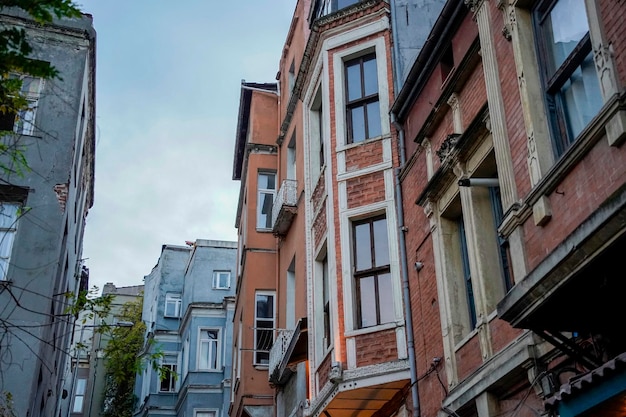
(168, 77)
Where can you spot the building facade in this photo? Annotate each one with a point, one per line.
(43, 211)
(327, 225)
(188, 310)
(513, 121)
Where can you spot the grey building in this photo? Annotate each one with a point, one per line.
(43, 211)
(188, 311)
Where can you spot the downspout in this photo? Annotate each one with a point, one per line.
(406, 295)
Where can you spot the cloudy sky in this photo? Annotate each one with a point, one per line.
(168, 77)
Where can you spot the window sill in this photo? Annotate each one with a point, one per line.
(374, 329)
(366, 141)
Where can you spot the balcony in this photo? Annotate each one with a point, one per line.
(289, 348)
(285, 207)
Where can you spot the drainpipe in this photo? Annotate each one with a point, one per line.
(406, 295)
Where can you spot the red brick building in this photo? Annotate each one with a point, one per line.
(513, 119)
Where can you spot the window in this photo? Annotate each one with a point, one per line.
(466, 273)
(316, 122)
(326, 302)
(569, 78)
(168, 378)
(324, 7)
(204, 414)
(292, 76)
(8, 227)
(23, 122)
(185, 354)
(209, 349)
(291, 158)
(221, 280)
(372, 272)
(267, 189)
(173, 304)
(79, 395)
(362, 108)
(264, 323)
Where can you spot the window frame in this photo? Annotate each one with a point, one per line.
(262, 192)
(217, 347)
(9, 233)
(175, 298)
(554, 79)
(377, 272)
(80, 391)
(261, 356)
(217, 280)
(364, 100)
(169, 362)
(23, 122)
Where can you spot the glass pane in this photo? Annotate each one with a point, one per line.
(6, 243)
(354, 81)
(78, 404)
(266, 200)
(373, 120)
(385, 298)
(357, 117)
(204, 355)
(8, 214)
(370, 77)
(81, 384)
(363, 246)
(345, 3)
(267, 181)
(264, 306)
(567, 25)
(367, 302)
(381, 243)
(581, 96)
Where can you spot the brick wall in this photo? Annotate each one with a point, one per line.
(378, 347)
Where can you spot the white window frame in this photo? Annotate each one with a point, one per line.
(24, 120)
(9, 215)
(257, 327)
(217, 281)
(261, 192)
(177, 300)
(376, 45)
(214, 345)
(169, 361)
(79, 393)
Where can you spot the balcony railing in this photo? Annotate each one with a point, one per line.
(285, 207)
(278, 351)
(290, 347)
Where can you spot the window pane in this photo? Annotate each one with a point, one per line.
(8, 214)
(370, 77)
(353, 73)
(357, 117)
(581, 96)
(78, 404)
(363, 246)
(367, 301)
(568, 24)
(266, 200)
(381, 243)
(267, 181)
(345, 3)
(385, 298)
(81, 384)
(264, 306)
(373, 120)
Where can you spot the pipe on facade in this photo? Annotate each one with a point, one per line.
(406, 295)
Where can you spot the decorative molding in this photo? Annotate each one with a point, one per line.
(447, 146)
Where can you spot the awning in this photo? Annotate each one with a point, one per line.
(600, 392)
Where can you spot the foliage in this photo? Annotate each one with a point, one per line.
(125, 358)
(15, 51)
(6, 405)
